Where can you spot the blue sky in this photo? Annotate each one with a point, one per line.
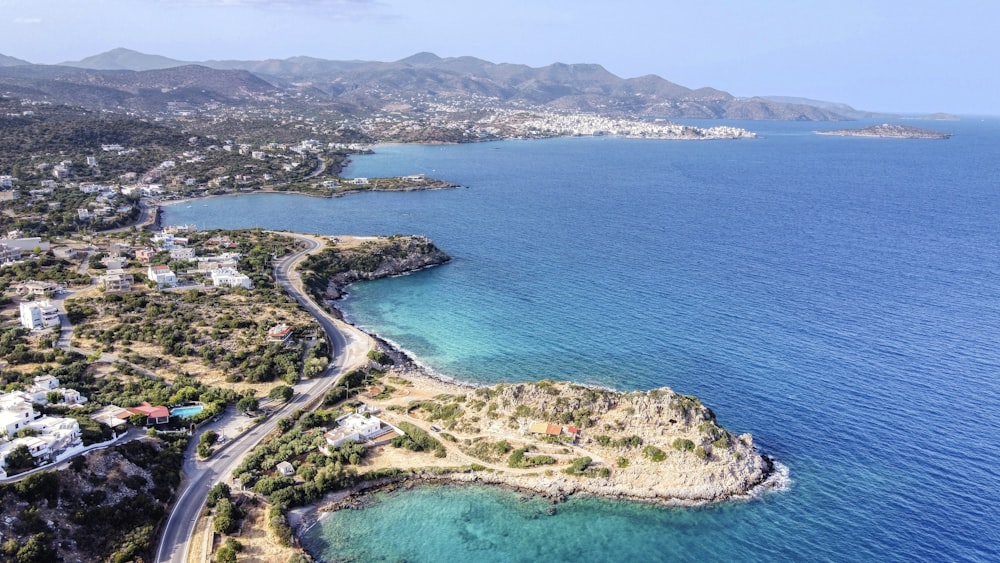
(888, 55)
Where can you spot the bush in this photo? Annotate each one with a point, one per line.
(227, 551)
(416, 440)
(216, 493)
(518, 459)
(380, 357)
(281, 393)
(226, 518)
(683, 444)
(653, 453)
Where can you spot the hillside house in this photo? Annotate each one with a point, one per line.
(36, 315)
(279, 333)
(162, 275)
(117, 281)
(154, 415)
(230, 277)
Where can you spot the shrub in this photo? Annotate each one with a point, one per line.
(226, 517)
(683, 444)
(281, 393)
(654, 454)
(227, 551)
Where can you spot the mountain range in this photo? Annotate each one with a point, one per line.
(123, 78)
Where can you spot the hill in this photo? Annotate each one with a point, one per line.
(148, 91)
(125, 59)
(11, 61)
(476, 83)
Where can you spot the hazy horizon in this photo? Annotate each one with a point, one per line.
(893, 56)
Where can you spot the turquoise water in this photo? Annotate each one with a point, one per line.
(839, 298)
(186, 412)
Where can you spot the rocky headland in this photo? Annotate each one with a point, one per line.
(559, 438)
(889, 131)
(350, 259)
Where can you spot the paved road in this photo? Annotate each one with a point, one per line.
(350, 350)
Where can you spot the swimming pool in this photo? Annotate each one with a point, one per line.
(187, 412)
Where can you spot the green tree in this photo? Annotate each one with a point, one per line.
(247, 404)
(227, 551)
(19, 459)
(281, 393)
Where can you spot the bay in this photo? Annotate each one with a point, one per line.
(836, 297)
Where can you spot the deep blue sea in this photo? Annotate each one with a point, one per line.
(839, 298)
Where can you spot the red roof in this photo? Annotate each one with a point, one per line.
(553, 429)
(572, 429)
(150, 411)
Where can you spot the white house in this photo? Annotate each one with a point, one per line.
(39, 314)
(353, 427)
(13, 420)
(230, 277)
(47, 382)
(162, 275)
(57, 432)
(182, 253)
(285, 469)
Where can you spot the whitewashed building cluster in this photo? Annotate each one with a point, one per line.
(44, 436)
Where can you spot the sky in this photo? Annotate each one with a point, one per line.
(916, 56)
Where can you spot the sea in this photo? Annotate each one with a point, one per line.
(837, 297)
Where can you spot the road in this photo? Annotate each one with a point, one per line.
(350, 347)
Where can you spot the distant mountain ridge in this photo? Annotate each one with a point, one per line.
(11, 61)
(367, 86)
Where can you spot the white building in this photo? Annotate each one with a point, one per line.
(182, 254)
(162, 275)
(9, 254)
(47, 382)
(354, 427)
(51, 434)
(13, 420)
(229, 277)
(39, 314)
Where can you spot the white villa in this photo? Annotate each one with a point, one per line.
(162, 275)
(230, 277)
(39, 314)
(51, 434)
(358, 428)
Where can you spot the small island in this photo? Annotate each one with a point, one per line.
(889, 131)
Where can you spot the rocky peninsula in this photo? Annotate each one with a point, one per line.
(551, 438)
(889, 131)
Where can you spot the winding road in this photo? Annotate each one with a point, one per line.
(350, 347)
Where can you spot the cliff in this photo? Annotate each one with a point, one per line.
(352, 259)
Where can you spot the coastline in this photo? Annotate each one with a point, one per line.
(556, 488)
(735, 471)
